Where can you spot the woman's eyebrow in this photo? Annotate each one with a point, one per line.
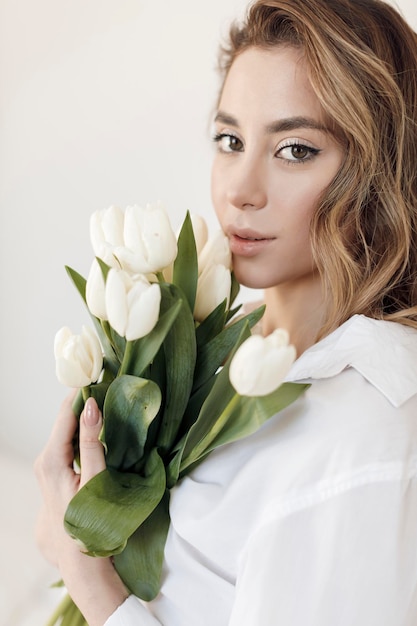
(278, 126)
(293, 123)
(225, 118)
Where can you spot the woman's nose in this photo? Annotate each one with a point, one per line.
(248, 185)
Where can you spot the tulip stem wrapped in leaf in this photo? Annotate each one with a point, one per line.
(168, 366)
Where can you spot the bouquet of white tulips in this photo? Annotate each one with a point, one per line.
(173, 374)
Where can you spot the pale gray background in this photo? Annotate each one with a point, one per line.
(101, 102)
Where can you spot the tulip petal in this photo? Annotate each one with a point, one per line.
(276, 366)
(149, 235)
(244, 371)
(78, 358)
(200, 230)
(131, 261)
(143, 311)
(106, 227)
(116, 300)
(212, 288)
(70, 374)
(159, 240)
(215, 252)
(112, 225)
(92, 342)
(61, 337)
(259, 366)
(132, 234)
(94, 292)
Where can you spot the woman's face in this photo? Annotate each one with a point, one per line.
(275, 155)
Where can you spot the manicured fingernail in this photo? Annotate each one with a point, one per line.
(91, 413)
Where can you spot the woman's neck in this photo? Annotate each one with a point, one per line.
(297, 308)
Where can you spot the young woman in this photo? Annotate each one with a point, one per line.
(312, 520)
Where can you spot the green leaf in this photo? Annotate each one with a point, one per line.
(73, 617)
(216, 402)
(140, 563)
(78, 403)
(117, 342)
(105, 269)
(180, 355)
(174, 466)
(234, 290)
(245, 415)
(112, 505)
(98, 391)
(213, 354)
(110, 369)
(78, 280)
(130, 405)
(232, 312)
(185, 273)
(212, 325)
(195, 403)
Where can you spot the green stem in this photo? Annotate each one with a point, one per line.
(124, 367)
(106, 329)
(69, 612)
(63, 607)
(78, 404)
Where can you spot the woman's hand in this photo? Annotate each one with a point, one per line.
(92, 582)
(55, 472)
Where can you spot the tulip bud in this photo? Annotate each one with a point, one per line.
(261, 364)
(94, 291)
(132, 304)
(79, 358)
(213, 287)
(150, 244)
(216, 251)
(106, 232)
(200, 231)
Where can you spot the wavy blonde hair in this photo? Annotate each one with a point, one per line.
(362, 60)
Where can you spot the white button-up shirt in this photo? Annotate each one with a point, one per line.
(311, 521)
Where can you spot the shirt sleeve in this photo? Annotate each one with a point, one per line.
(346, 559)
(132, 613)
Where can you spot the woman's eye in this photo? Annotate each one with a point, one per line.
(228, 143)
(297, 152)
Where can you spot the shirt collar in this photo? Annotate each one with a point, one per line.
(384, 353)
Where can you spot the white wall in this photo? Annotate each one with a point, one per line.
(101, 102)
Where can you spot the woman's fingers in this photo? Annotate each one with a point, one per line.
(91, 449)
(59, 447)
(57, 481)
(58, 455)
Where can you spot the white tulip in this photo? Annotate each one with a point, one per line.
(132, 304)
(150, 244)
(213, 287)
(106, 233)
(216, 251)
(214, 280)
(200, 231)
(94, 292)
(78, 358)
(261, 364)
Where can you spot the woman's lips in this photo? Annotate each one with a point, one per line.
(248, 243)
